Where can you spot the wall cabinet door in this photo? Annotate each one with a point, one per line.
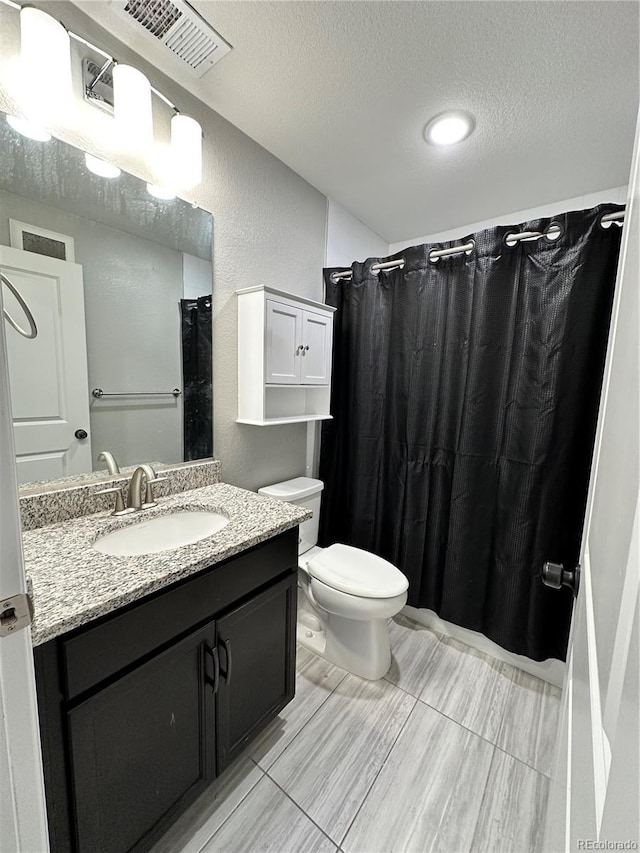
(143, 746)
(283, 332)
(256, 643)
(316, 357)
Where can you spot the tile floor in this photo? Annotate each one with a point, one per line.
(450, 752)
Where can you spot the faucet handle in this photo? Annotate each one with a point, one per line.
(148, 495)
(120, 507)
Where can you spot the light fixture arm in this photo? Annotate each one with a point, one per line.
(107, 65)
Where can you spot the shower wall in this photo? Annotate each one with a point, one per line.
(616, 195)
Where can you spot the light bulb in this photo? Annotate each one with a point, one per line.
(45, 66)
(132, 106)
(101, 167)
(29, 129)
(186, 151)
(163, 193)
(449, 128)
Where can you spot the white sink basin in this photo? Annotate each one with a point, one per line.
(161, 533)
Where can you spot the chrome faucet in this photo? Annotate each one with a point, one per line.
(134, 495)
(112, 465)
(144, 474)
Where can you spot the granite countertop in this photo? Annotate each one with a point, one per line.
(73, 583)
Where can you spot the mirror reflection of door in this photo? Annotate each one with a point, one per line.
(48, 374)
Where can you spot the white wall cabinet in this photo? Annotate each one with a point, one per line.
(284, 357)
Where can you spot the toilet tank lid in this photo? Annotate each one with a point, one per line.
(292, 490)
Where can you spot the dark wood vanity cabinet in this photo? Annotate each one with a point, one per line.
(138, 747)
(141, 710)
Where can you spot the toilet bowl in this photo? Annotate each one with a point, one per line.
(345, 595)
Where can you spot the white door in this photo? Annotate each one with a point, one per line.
(23, 822)
(49, 384)
(283, 344)
(595, 794)
(316, 356)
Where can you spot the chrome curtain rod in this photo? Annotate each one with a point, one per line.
(98, 393)
(511, 239)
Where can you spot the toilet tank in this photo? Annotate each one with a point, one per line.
(304, 491)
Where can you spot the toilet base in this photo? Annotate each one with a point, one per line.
(361, 648)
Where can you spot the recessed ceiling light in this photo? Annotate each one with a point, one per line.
(163, 193)
(29, 129)
(449, 128)
(101, 167)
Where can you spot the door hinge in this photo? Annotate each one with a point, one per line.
(16, 613)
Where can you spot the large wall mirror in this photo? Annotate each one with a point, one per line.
(120, 287)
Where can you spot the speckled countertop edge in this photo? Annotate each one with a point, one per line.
(74, 584)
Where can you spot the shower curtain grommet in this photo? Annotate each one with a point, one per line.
(606, 226)
(558, 231)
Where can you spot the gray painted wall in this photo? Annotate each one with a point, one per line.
(270, 229)
(132, 287)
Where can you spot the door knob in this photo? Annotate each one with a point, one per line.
(556, 576)
(81, 433)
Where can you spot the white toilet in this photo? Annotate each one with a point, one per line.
(345, 595)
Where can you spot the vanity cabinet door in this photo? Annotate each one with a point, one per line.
(144, 746)
(256, 644)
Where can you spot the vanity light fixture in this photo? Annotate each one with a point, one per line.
(186, 150)
(45, 96)
(101, 167)
(29, 128)
(132, 107)
(449, 128)
(163, 193)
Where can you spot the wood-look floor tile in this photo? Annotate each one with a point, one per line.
(329, 767)
(530, 722)
(316, 680)
(411, 647)
(467, 686)
(512, 816)
(201, 820)
(269, 822)
(429, 792)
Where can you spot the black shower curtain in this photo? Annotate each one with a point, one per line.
(197, 377)
(465, 397)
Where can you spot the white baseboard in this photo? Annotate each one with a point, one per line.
(551, 670)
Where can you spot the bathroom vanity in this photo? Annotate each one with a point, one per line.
(143, 706)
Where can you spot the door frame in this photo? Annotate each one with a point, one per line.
(559, 831)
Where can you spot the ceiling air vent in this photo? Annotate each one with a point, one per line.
(181, 29)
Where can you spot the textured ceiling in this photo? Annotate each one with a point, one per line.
(341, 91)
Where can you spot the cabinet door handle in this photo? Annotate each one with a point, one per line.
(215, 681)
(226, 645)
(300, 350)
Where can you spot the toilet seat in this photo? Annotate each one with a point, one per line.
(356, 572)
